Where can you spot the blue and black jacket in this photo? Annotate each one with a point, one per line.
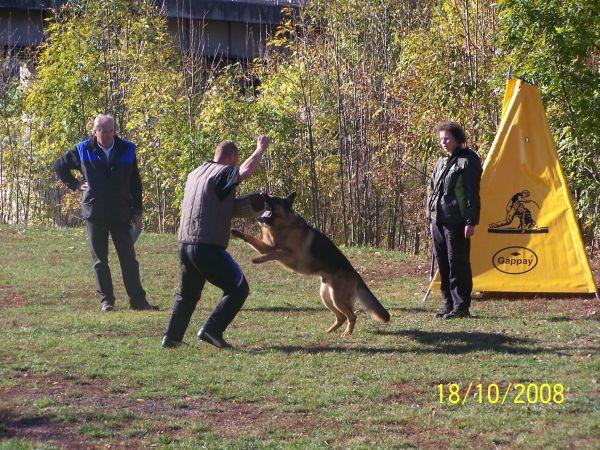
(115, 186)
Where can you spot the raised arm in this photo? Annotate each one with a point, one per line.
(251, 164)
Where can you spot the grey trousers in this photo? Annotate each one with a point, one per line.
(98, 232)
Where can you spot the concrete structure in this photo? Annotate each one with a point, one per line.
(231, 29)
(21, 23)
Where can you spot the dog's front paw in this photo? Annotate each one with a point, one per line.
(257, 260)
(237, 233)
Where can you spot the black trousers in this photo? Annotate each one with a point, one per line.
(452, 251)
(201, 263)
(98, 232)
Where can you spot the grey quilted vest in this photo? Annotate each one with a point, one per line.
(205, 219)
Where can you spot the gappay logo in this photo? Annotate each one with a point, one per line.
(515, 260)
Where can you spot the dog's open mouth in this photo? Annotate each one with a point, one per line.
(266, 217)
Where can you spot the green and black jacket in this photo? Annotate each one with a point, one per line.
(453, 191)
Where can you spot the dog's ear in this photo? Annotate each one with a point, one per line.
(289, 201)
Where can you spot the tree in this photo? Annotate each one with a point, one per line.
(14, 154)
(557, 44)
(351, 94)
(366, 83)
(111, 57)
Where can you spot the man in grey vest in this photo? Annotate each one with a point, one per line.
(209, 203)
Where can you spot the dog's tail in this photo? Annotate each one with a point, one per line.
(370, 303)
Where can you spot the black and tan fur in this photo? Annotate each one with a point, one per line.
(287, 238)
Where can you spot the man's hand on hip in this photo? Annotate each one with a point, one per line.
(137, 220)
(469, 231)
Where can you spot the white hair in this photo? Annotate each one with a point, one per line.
(101, 118)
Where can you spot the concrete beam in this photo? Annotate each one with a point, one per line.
(232, 28)
(246, 11)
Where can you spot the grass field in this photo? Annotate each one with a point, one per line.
(72, 377)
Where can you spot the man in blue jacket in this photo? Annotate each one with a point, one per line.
(112, 199)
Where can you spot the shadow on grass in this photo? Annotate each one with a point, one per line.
(282, 309)
(435, 342)
(529, 296)
(321, 308)
(411, 309)
(565, 319)
(317, 349)
(477, 338)
(11, 424)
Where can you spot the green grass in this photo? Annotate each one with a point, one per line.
(71, 376)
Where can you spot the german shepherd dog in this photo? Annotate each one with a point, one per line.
(287, 238)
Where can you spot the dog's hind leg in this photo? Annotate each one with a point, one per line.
(328, 302)
(342, 295)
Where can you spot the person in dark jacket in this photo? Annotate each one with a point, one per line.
(209, 203)
(112, 199)
(453, 212)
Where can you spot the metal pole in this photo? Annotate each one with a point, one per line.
(431, 275)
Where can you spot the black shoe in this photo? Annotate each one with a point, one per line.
(457, 313)
(442, 313)
(213, 339)
(167, 342)
(106, 306)
(144, 307)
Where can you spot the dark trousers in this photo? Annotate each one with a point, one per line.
(452, 255)
(201, 263)
(98, 232)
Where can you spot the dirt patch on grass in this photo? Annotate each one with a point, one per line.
(408, 393)
(386, 270)
(572, 308)
(40, 428)
(52, 409)
(575, 308)
(560, 307)
(9, 297)
(414, 394)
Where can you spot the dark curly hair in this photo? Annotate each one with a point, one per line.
(455, 130)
